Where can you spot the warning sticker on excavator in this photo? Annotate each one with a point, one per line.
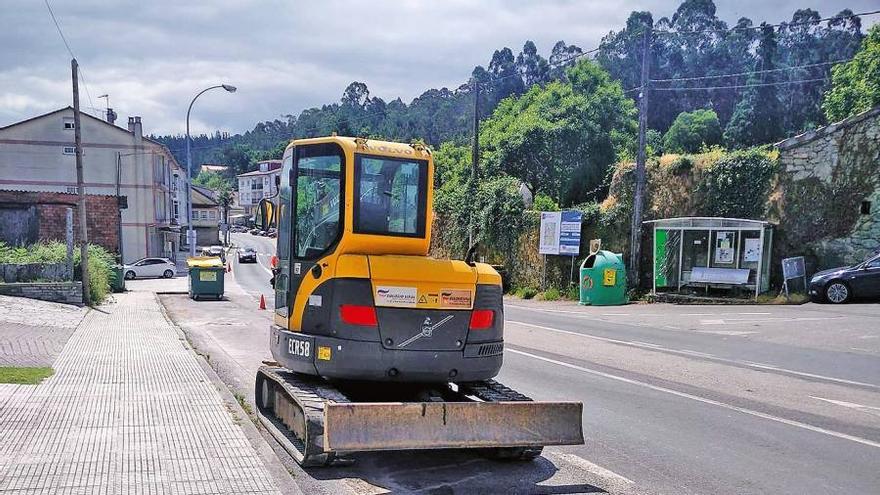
(455, 298)
(324, 353)
(405, 297)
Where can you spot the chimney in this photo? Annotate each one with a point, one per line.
(111, 116)
(135, 127)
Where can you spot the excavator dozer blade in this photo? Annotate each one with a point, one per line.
(437, 425)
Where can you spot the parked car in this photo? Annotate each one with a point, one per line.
(215, 251)
(150, 267)
(254, 231)
(247, 255)
(840, 285)
(262, 233)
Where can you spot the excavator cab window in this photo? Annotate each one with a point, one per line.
(392, 196)
(318, 217)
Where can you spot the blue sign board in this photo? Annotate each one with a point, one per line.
(570, 233)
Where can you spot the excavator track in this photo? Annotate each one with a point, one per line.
(291, 407)
(295, 410)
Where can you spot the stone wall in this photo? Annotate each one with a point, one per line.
(50, 219)
(29, 272)
(61, 292)
(828, 194)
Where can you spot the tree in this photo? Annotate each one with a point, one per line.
(560, 139)
(533, 67)
(855, 85)
(692, 130)
(757, 117)
(212, 180)
(452, 163)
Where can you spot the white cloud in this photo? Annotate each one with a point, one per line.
(284, 56)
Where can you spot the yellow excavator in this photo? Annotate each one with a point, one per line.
(376, 345)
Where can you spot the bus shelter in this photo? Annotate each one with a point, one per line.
(711, 252)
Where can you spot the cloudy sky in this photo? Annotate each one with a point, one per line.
(152, 56)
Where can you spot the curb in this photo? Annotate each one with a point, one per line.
(284, 479)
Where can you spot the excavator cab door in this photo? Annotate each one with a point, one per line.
(310, 216)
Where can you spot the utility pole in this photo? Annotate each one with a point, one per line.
(639, 194)
(119, 205)
(80, 189)
(475, 160)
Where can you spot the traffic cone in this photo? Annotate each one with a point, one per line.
(262, 302)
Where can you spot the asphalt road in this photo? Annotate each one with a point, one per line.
(711, 399)
(254, 277)
(677, 399)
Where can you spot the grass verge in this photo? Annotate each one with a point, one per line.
(24, 375)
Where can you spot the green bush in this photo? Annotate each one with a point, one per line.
(551, 294)
(526, 292)
(692, 130)
(573, 293)
(100, 262)
(544, 203)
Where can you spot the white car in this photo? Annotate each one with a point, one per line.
(150, 267)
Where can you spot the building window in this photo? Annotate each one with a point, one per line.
(212, 215)
(68, 123)
(203, 215)
(195, 215)
(69, 150)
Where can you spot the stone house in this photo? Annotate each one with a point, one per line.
(828, 196)
(37, 163)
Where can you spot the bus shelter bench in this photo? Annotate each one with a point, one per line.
(719, 277)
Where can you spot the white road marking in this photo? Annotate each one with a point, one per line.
(655, 347)
(733, 333)
(695, 353)
(852, 405)
(580, 462)
(711, 322)
(647, 344)
(751, 412)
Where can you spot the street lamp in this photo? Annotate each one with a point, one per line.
(190, 233)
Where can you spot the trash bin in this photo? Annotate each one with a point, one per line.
(206, 275)
(117, 279)
(603, 279)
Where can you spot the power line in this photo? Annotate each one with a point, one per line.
(781, 24)
(740, 86)
(749, 73)
(69, 50)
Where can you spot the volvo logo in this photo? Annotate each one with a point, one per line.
(427, 330)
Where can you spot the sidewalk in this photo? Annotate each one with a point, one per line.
(32, 332)
(129, 410)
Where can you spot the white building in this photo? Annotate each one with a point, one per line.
(259, 184)
(38, 155)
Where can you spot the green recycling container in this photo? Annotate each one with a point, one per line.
(117, 280)
(603, 279)
(206, 276)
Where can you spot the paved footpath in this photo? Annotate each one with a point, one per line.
(129, 410)
(33, 333)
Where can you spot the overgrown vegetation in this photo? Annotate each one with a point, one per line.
(24, 375)
(855, 85)
(100, 262)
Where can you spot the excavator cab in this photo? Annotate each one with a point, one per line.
(376, 345)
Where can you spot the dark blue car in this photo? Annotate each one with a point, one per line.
(840, 285)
